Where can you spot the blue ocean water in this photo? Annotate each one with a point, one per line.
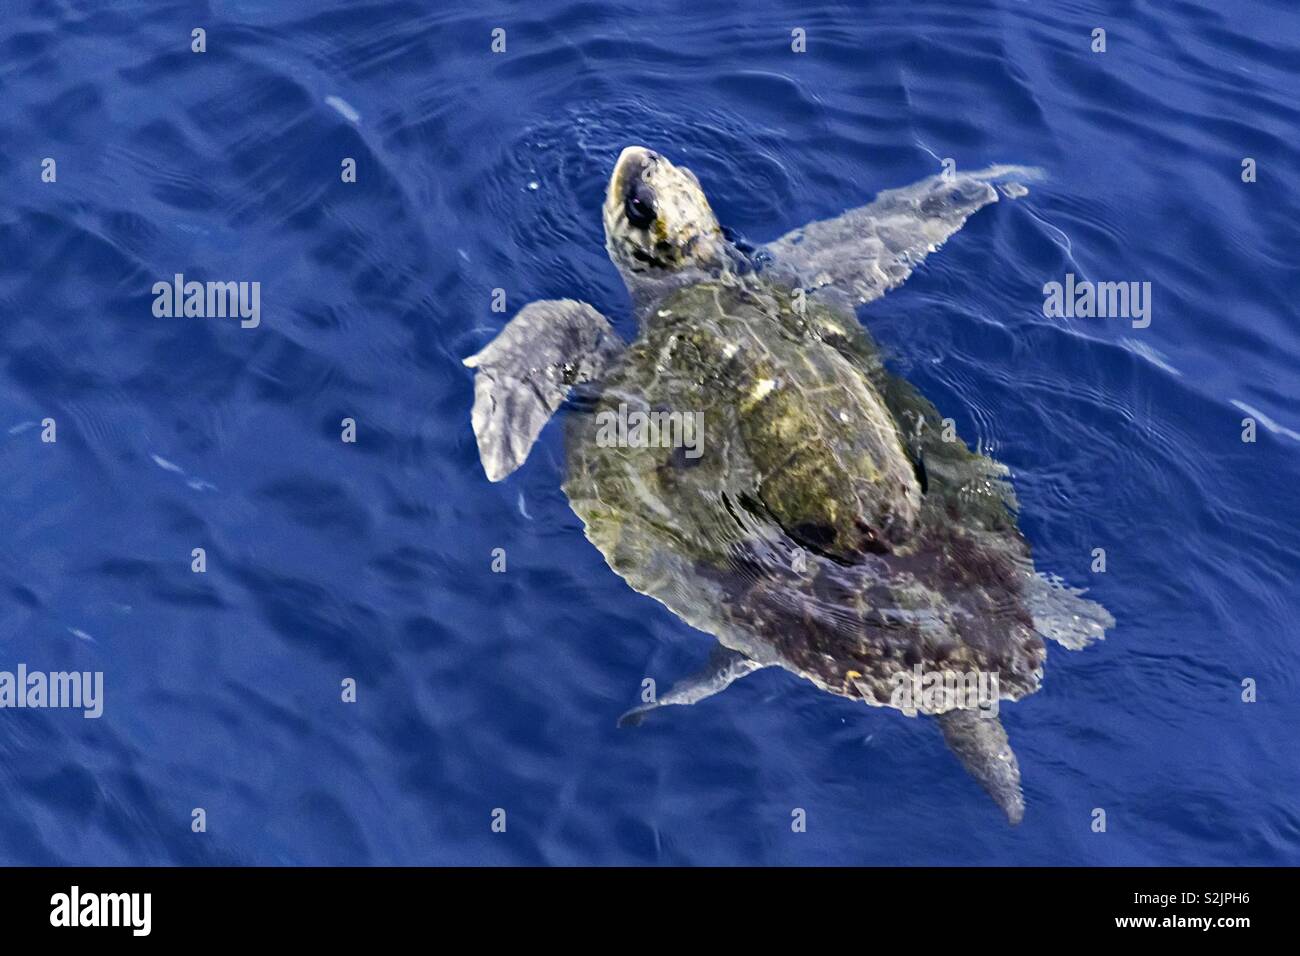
(372, 561)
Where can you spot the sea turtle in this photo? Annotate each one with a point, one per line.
(749, 461)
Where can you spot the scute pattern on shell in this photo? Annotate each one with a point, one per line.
(710, 539)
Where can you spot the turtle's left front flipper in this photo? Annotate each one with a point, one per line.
(869, 250)
(981, 745)
(525, 373)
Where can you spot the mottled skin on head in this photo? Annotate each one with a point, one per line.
(657, 220)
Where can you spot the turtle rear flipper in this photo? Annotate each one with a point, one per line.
(725, 667)
(980, 743)
(525, 373)
(1062, 614)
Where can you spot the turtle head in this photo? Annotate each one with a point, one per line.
(657, 220)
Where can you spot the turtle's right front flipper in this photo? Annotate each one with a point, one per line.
(523, 375)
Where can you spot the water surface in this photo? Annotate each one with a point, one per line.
(372, 560)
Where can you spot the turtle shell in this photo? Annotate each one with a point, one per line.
(750, 463)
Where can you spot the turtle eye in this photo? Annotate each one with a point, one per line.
(640, 206)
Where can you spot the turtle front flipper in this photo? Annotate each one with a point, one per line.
(980, 743)
(867, 251)
(525, 373)
(724, 668)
